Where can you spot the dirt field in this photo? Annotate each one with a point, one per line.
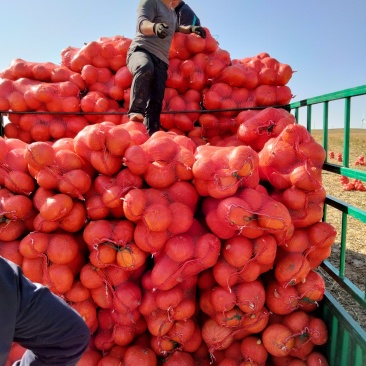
(355, 269)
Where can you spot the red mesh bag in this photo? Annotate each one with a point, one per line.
(314, 242)
(271, 95)
(220, 171)
(305, 207)
(104, 52)
(105, 81)
(160, 213)
(28, 95)
(105, 198)
(218, 337)
(214, 125)
(221, 303)
(216, 62)
(98, 102)
(58, 166)
(311, 292)
(170, 156)
(103, 146)
(17, 214)
(176, 80)
(284, 299)
(14, 174)
(184, 46)
(161, 308)
(183, 256)
(291, 268)
(292, 158)
(173, 101)
(53, 259)
(250, 213)
(193, 70)
(170, 316)
(224, 95)
(19, 68)
(244, 260)
(41, 71)
(255, 130)
(111, 243)
(45, 127)
(184, 336)
(270, 71)
(57, 211)
(238, 75)
(224, 140)
(110, 333)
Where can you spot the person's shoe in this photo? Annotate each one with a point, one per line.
(137, 117)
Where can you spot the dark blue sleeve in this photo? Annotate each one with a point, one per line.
(186, 16)
(8, 308)
(53, 333)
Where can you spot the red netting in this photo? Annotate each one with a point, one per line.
(41, 71)
(43, 127)
(57, 166)
(250, 213)
(219, 172)
(14, 173)
(103, 146)
(183, 256)
(54, 259)
(292, 158)
(160, 213)
(109, 52)
(29, 95)
(257, 127)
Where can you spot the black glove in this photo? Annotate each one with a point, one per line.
(198, 30)
(160, 29)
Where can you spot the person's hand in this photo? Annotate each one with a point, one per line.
(160, 29)
(198, 30)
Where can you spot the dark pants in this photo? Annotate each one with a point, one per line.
(40, 321)
(148, 86)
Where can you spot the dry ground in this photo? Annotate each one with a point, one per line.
(355, 268)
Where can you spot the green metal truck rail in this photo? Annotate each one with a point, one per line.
(347, 340)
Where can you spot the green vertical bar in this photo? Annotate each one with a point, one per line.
(297, 114)
(347, 119)
(325, 128)
(358, 356)
(325, 213)
(334, 340)
(325, 142)
(308, 118)
(342, 260)
(345, 348)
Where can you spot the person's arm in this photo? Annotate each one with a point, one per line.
(147, 28)
(186, 29)
(150, 29)
(53, 333)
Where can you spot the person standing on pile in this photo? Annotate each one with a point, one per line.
(148, 58)
(31, 315)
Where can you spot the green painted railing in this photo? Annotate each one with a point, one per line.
(345, 170)
(347, 341)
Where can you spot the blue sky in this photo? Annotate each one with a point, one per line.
(323, 40)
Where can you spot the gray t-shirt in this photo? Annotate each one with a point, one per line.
(157, 12)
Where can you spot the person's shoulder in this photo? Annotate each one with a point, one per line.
(8, 270)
